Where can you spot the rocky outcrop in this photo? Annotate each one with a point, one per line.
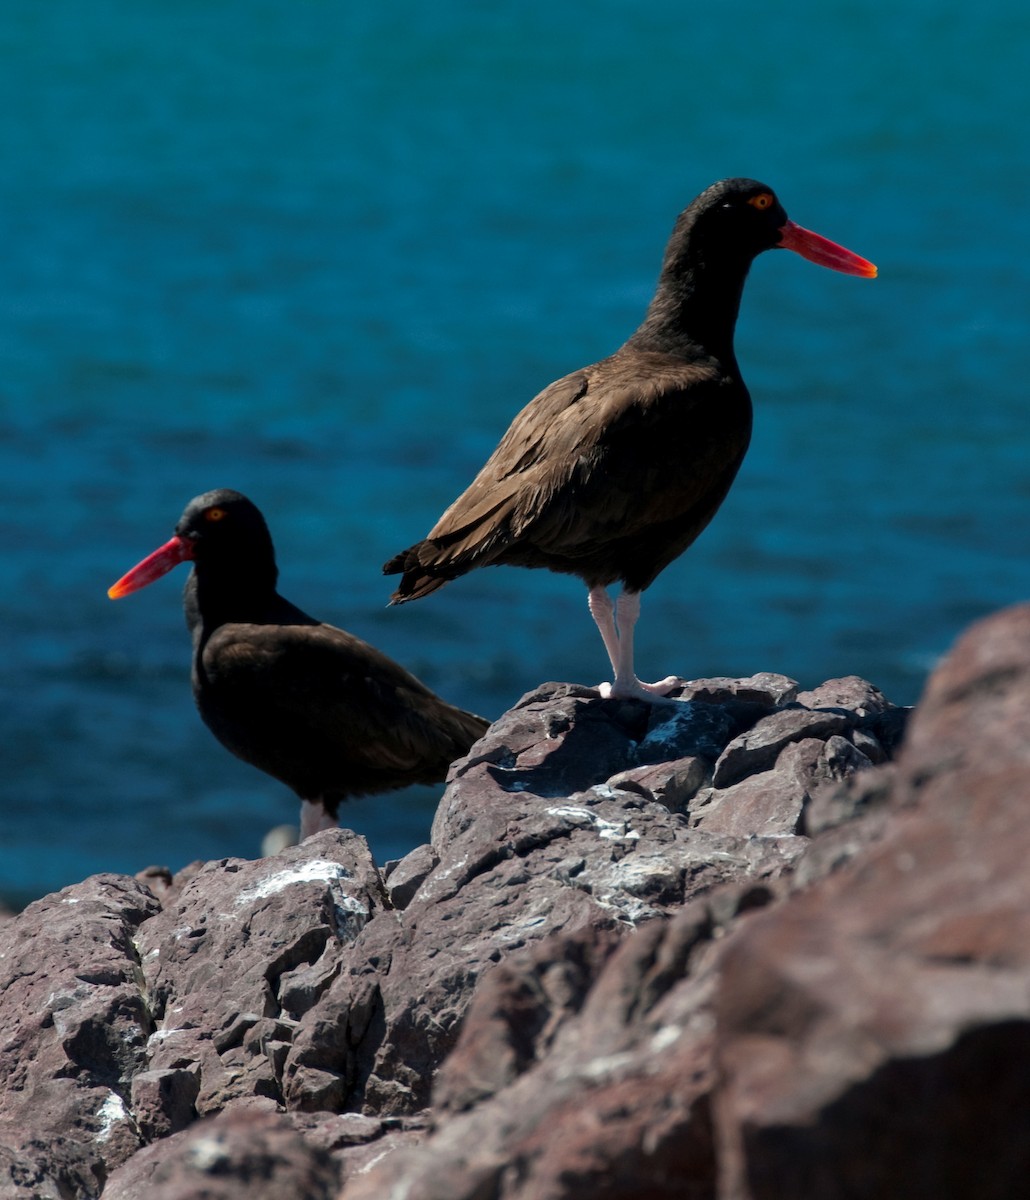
(876, 1028)
(736, 947)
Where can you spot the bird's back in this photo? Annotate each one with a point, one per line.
(608, 474)
(323, 711)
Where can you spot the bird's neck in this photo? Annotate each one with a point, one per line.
(694, 310)
(226, 592)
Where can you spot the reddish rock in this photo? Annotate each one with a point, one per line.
(765, 690)
(404, 877)
(773, 802)
(73, 1032)
(523, 1008)
(243, 951)
(867, 1029)
(163, 1102)
(671, 785)
(582, 1071)
(876, 1028)
(758, 748)
(518, 857)
(851, 695)
(246, 1154)
(516, 1013)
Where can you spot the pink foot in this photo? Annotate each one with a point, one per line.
(634, 689)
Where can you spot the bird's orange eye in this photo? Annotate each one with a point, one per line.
(762, 201)
(214, 514)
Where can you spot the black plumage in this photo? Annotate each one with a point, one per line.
(312, 705)
(611, 472)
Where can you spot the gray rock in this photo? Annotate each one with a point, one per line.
(584, 1069)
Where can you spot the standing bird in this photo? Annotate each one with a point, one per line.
(313, 706)
(611, 472)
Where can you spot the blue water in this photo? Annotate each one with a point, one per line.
(322, 253)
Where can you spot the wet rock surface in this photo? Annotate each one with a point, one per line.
(761, 942)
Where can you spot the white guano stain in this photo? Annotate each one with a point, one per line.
(665, 1037)
(109, 1114)
(207, 1154)
(160, 1035)
(583, 817)
(315, 870)
(351, 913)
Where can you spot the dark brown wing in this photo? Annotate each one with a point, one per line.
(637, 442)
(325, 712)
(479, 521)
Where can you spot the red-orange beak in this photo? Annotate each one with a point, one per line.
(821, 250)
(152, 567)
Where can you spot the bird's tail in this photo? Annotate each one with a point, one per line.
(415, 582)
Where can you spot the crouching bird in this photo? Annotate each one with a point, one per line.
(313, 706)
(611, 472)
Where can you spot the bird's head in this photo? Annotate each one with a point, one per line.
(220, 527)
(742, 217)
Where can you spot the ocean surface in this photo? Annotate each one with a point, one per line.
(323, 252)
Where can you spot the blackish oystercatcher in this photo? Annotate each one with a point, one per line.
(611, 472)
(316, 707)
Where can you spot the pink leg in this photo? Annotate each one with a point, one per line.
(603, 612)
(626, 683)
(314, 818)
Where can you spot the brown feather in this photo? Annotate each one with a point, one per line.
(310, 704)
(563, 488)
(611, 472)
(325, 712)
